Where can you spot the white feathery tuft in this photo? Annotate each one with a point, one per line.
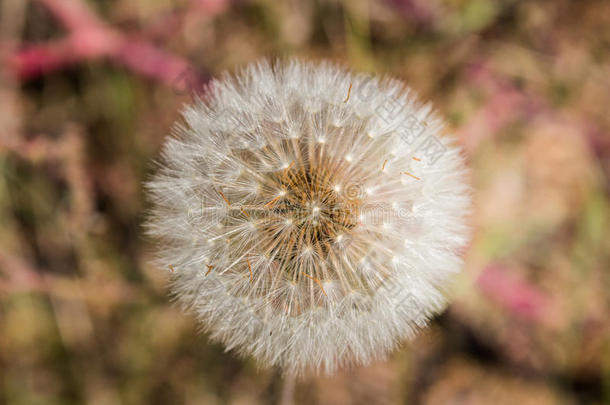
(304, 217)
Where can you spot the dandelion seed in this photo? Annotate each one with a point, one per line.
(250, 270)
(288, 168)
(317, 281)
(270, 203)
(303, 224)
(349, 91)
(224, 198)
(412, 175)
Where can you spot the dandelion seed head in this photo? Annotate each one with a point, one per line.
(283, 209)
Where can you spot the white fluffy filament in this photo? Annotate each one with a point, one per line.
(303, 219)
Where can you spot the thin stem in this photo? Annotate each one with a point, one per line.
(287, 397)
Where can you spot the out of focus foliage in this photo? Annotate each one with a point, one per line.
(525, 86)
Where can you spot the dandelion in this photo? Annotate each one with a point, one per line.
(324, 253)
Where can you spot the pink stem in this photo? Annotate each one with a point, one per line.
(38, 59)
(90, 38)
(512, 294)
(147, 60)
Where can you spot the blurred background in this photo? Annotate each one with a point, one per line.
(89, 90)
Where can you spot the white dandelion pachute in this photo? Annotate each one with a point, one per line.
(313, 218)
